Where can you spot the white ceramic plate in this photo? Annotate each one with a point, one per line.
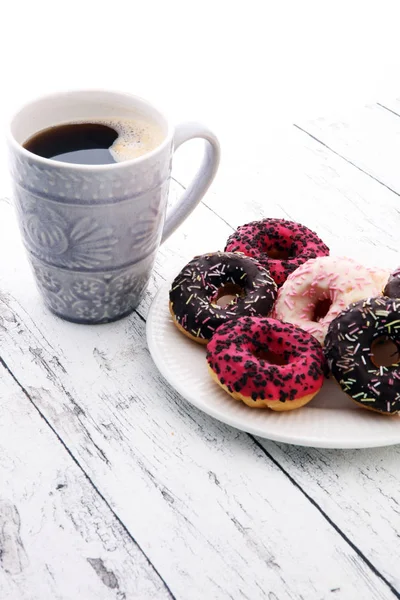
(330, 420)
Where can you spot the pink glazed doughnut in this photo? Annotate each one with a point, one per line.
(279, 245)
(319, 290)
(266, 363)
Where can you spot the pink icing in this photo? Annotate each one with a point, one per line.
(236, 353)
(266, 239)
(339, 280)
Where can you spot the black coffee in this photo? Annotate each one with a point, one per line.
(96, 143)
(78, 143)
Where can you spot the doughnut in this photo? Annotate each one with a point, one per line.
(280, 246)
(392, 288)
(349, 348)
(380, 277)
(321, 288)
(266, 363)
(217, 287)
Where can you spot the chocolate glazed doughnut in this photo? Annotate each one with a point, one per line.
(214, 288)
(392, 288)
(349, 349)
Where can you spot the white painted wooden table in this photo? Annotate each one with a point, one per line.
(113, 487)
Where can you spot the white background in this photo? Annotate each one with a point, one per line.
(246, 69)
(236, 65)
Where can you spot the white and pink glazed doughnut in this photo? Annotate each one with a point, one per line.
(320, 289)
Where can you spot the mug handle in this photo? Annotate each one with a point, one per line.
(201, 181)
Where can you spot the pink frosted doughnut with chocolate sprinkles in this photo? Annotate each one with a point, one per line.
(280, 246)
(318, 291)
(266, 363)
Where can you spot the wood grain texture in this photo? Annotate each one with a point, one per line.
(295, 177)
(215, 516)
(358, 489)
(368, 138)
(58, 538)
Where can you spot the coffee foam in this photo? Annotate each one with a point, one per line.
(135, 137)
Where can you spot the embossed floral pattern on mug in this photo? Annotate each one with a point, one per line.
(91, 244)
(92, 297)
(77, 240)
(86, 311)
(46, 232)
(145, 233)
(47, 280)
(80, 244)
(88, 287)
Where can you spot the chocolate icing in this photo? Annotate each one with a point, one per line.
(392, 288)
(194, 291)
(348, 350)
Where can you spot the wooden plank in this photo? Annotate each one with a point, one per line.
(368, 137)
(358, 489)
(212, 513)
(58, 538)
(295, 177)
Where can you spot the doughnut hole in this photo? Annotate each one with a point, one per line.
(227, 294)
(281, 250)
(320, 309)
(273, 358)
(280, 254)
(384, 352)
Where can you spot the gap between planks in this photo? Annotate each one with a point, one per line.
(313, 137)
(353, 161)
(326, 517)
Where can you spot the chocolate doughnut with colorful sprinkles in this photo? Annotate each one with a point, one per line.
(279, 245)
(218, 287)
(266, 363)
(349, 345)
(392, 288)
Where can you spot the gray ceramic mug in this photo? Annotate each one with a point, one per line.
(92, 231)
